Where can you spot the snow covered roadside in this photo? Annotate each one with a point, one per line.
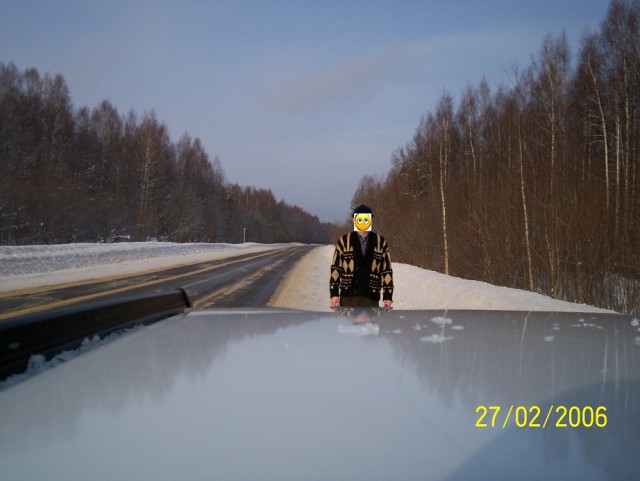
(307, 288)
(25, 267)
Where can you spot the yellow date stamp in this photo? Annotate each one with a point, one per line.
(537, 417)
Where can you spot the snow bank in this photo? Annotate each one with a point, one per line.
(307, 288)
(23, 267)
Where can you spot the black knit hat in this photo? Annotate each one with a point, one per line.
(363, 209)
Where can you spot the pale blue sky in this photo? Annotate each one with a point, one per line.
(302, 97)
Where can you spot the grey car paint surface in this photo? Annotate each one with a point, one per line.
(275, 394)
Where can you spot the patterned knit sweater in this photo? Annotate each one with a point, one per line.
(354, 273)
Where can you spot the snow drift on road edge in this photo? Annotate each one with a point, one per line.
(307, 288)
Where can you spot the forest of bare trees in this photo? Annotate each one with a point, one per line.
(533, 185)
(94, 175)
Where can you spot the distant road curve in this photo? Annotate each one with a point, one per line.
(246, 280)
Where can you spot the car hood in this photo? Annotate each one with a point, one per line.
(278, 394)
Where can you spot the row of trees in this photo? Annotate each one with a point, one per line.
(97, 175)
(535, 185)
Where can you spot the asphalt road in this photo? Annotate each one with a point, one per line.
(248, 280)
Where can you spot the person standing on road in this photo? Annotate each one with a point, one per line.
(361, 266)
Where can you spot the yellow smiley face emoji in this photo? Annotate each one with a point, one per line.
(362, 222)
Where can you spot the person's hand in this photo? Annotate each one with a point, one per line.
(387, 304)
(335, 301)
